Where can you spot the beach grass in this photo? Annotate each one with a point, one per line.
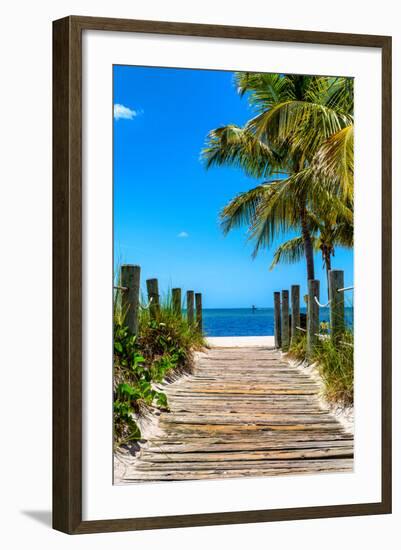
(336, 367)
(335, 364)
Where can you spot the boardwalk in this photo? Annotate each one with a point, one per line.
(244, 412)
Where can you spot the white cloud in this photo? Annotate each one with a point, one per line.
(183, 235)
(121, 111)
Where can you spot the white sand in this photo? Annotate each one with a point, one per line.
(240, 341)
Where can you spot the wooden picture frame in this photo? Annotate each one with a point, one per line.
(67, 274)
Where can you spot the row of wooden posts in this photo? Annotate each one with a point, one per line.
(287, 327)
(130, 278)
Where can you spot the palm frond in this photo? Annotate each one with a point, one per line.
(335, 159)
(290, 252)
(276, 214)
(304, 128)
(301, 124)
(266, 89)
(343, 234)
(242, 209)
(235, 146)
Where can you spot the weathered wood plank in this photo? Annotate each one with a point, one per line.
(285, 454)
(337, 310)
(198, 305)
(177, 304)
(243, 413)
(285, 320)
(130, 281)
(313, 315)
(252, 445)
(277, 320)
(190, 307)
(295, 312)
(287, 468)
(152, 286)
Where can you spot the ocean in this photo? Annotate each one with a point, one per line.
(245, 322)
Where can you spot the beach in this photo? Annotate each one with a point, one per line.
(240, 341)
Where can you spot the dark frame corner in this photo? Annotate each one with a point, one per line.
(67, 274)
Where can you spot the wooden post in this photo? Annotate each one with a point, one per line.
(153, 296)
(176, 296)
(130, 279)
(295, 313)
(312, 328)
(190, 307)
(285, 321)
(337, 311)
(198, 303)
(277, 320)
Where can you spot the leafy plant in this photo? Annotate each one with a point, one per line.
(162, 350)
(125, 427)
(301, 142)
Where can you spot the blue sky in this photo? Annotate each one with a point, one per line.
(166, 204)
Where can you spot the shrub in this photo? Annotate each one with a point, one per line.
(336, 367)
(169, 339)
(162, 350)
(335, 363)
(133, 390)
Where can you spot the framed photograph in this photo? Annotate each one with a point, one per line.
(222, 275)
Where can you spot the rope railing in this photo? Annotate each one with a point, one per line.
(148, 304)
(125, 289)
(287, 322)
(322, 305)
(338, 290)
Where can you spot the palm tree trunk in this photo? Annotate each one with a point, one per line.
(310, 268)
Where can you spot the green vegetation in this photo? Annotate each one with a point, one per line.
(335, 363)
(161, 351)
(300, 144)
(301, 141)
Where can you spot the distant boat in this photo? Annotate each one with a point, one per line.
(254, 308)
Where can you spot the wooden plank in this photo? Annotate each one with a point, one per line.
(206, 446)
(176, 299)
(198, 303)
(184, 473)
(190, 307)
(243, 412)
(251, 445)
(337, 311)
(312, 325)
(295, 313)
(250, 455)
(285, 320)
(152, 286)
(130, 280)
(277, 320)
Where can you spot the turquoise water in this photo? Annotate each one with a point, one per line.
(245, 322)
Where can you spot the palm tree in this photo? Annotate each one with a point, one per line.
(326, 235)
(297, 116)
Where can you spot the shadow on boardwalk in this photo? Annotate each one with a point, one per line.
(244, 412)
